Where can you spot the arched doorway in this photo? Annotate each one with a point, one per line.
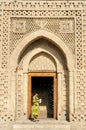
(24, 53)
(46, 85)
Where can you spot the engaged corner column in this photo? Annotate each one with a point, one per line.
(59, 94)
(25, 94)
(71, 94)
(12, 105)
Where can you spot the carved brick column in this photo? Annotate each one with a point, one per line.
(71, 93)
(25, 95)
(13, 92)
(59, 93)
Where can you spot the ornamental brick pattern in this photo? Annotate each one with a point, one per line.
(67, 21)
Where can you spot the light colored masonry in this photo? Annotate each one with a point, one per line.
(43, 36)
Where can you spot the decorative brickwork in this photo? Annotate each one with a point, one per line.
(64, 19)
(19, 111)
(42, 62)
(78, 117)
(84, 39)
(4, 97)
(7, 117)
(81, 91)
(66, 95)
(52, 25)
(39, 62)
(5, 39)
(49, 24)
(0, 36)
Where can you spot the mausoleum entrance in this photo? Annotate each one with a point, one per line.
(45, 85)
(44, 63)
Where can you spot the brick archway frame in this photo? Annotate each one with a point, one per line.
(22, 45)
(36, 35)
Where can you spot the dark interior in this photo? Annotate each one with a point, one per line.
(44, 87)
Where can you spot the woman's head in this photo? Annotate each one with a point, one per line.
(36, 94)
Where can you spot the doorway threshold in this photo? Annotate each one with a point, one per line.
(42, 124)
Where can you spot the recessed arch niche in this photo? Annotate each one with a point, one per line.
(43, 45)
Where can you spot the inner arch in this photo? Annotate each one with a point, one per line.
(44, 61)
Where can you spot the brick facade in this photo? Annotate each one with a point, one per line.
(43, 36)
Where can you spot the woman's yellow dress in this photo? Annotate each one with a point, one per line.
(35, 107)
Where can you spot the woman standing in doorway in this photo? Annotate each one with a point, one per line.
(35, 108)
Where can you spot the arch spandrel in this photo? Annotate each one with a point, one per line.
(36, 35)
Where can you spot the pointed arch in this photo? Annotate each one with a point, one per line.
(36, 35)
(34, 55)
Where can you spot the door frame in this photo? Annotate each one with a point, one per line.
(42, 74)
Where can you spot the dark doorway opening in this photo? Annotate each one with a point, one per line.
(45, 87)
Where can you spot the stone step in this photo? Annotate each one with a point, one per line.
(42, 125)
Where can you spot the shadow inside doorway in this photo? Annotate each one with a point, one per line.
(44, 87)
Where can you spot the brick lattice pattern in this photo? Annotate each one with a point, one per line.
(33, 20)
